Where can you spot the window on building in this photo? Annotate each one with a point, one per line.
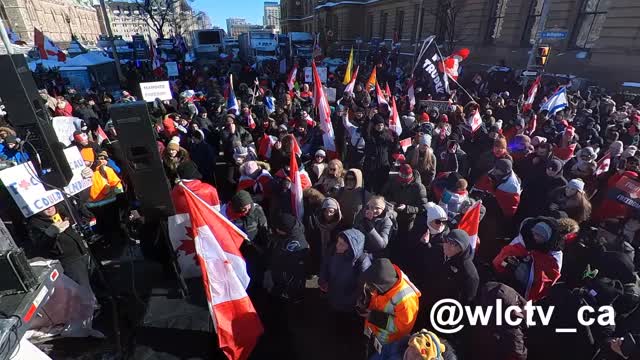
(593, 14)
(399, 24)
(383, 25)
(532, 23)
(494, 31)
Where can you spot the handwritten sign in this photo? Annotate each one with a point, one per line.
(30, 194)
(172, 68)
(308, 74)
(157, 89)
(64, 127)
(331, 94)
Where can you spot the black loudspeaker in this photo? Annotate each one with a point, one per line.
(144, 166)
(31, 120)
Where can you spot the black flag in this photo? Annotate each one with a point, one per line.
(431, 62)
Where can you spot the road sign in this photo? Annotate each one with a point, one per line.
(554, 34)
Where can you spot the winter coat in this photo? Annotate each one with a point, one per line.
(379, 232)
(287, 258)
(351, 201)
(241, 136)
(505, 342)
(455, 278)
(534, 198)
(458, 162)
(569, 205)
(507, 192)
(341, 272)
(67, 245)
(540, 265)
(378, 149)
(485, 163)
(254, 224)
(413, 195)
(205, 157)
(321, 235)
(14, 155)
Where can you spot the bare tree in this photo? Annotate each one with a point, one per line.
(446, 15)
(160, 13)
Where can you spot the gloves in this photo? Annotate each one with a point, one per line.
(87, 173)
(511, 263)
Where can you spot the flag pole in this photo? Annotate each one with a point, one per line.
(449, 77)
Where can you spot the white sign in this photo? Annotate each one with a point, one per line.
(29, 193)
(308, 74)
(27, 190)
(65, 126)
(158, 89)
(172, 68)
(76, 163)
(331, 94)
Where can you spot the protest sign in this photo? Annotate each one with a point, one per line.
(27, 190)
(64, 127)
(157, 89)
(626, 191)
(442, 106)
(308, 74)
(331, 94)
(76, 163)
(172, 68)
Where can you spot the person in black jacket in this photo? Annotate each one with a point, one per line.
(458, 277)
(379, 146)
(52, 237)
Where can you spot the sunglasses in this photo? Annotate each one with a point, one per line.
(439, 221)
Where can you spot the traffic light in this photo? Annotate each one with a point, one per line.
(542, 55)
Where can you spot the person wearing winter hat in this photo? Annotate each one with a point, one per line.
(189, 176)
(408, 194)
(322, 228)
(489, 158)
(383, 282)
(12, 152)
(537, 186)
(380, 145)
(423, 160)
(572, 200)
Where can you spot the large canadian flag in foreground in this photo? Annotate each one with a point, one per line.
(225, 278)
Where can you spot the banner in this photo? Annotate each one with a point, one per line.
(331, 94)
(172, 68)
(158, 89)
(431, 62)
(64, 127)
(308, 74)
(76, 163)
(626, 191)
(442, 106)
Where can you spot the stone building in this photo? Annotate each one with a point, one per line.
(57, 19)
(602, 42)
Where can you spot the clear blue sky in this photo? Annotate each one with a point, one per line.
(220, 10)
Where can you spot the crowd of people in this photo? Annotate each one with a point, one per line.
(379, 236)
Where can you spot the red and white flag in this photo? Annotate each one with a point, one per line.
(46, 47)
(475, 121)
(156, 66)
(349, 88)
(533, 90)
(405, 144)
(296, 187)
(324, 112)
(604, 164)
(412, 94)
(250, 122)
(394, 120)
(291, 79)
(100, 135)
(265, 146)
(225, 278)
(380, 96)
(470, 223)
(387, 91)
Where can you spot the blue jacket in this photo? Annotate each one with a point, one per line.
(112, 164)
(15, 155)
(342, 271)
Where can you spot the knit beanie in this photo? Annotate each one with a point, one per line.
(543, 230)
(381, 275)
(285, 222)
(460, 237)
(576, 184)
(174, 144)
(240, 200)
(435, 212)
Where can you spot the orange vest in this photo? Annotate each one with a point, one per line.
(104, 180)
(402, 303)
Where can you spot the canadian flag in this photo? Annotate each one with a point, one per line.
(156, 66)
(452, 63)
(380, 96)
(324, 112)
(470, 223)
(604, 164)
(296, 187)
(349, 88)
(291, 79)
(46, 47)
(394, 120)
(295, 147)
(250, 122)
(100, 135)
(412, 94)
(533, 90)
(387, 91)
(265, 146)
(225, 278)
(475, 121)
(405, 144)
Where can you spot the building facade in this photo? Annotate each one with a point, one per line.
(237, 26)
(271, 18)
(57, 19)
(602, 35)
(126, 20)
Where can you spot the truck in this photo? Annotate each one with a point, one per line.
(257, 47)
(301, 45)
(208, 44)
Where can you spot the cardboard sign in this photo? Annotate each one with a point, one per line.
(331, 94)
(157, 89)
(27, 190)
(626, 191)
(172, 68)
(64, 127)
(77, 183)
(442, 106)
(308, 74)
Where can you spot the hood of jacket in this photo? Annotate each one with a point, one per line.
(554, 243)
(330, 203)
(356, 240)
(358, 174)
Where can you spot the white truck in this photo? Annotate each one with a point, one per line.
(257, 47)
(208, 44)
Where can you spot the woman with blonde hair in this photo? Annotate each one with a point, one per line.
(332, 178)
(423, 160)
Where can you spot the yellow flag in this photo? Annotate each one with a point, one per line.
(371, 83)
(347, 74)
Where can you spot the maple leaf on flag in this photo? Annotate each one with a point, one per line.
(189, 245)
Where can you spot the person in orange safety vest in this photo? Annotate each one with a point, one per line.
(391, 301)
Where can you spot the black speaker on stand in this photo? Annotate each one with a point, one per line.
(27, 114)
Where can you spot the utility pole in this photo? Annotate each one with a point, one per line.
(114, 51)
(546, 9)
(418, 28)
